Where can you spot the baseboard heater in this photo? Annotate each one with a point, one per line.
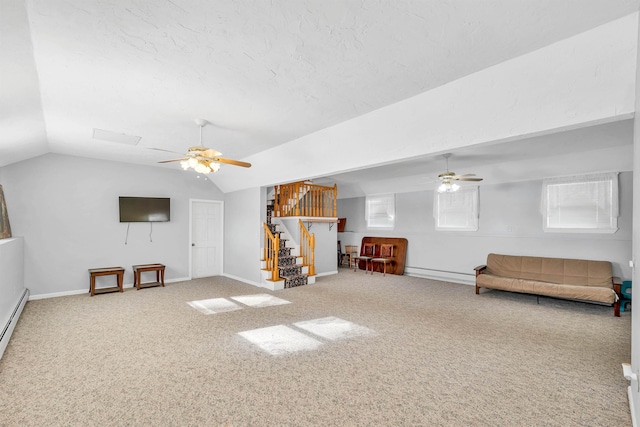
(444, 275)
(7, 330)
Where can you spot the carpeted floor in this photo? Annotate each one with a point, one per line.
(434, 353)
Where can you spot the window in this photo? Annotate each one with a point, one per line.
(582, 204)
(380, 211)
(457, 210)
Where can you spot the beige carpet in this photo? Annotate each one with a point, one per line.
(438, 355)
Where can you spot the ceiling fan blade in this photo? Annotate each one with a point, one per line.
(462, 178)
(204, 151)
(232, 162)
(210, 153)
(174, 160)
(468, 174)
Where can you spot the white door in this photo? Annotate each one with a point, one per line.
(206, 238)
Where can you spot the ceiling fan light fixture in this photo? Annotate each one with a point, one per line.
(202, 159)
(202, 168)
(448, 187)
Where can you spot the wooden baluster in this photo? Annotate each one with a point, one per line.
(312, 249)
(265, 249)
(312, 201)
(303, 199)
(335, 201)
(276, 272)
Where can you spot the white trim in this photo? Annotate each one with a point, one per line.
(326, 273)
(13, 321)
(634, 421)
(614, 202)
(389, 199)
(189, 242)
(240, 279)
(445, 276)
(472, 211)
(86, 291)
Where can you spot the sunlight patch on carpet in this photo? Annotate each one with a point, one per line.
(333, 328)
(215, 305)
(280, 339)
(260, 300)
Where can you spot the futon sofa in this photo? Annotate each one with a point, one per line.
(576, 279)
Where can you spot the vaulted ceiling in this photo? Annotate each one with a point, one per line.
(263, 73)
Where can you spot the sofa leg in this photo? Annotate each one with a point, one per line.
(477, 290)
(616, 308)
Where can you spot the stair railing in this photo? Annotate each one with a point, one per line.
(271, 249)
(305, 199)
(307, 248)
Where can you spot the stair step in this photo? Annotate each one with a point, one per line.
(287, 260)
(284, 252)
(290, 270)
(293, 281)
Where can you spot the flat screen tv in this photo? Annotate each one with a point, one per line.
(145, 209)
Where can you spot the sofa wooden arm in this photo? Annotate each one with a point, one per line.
(480, 269)
(617, 283)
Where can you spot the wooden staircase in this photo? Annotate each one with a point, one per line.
(289, 262)
(285, 267)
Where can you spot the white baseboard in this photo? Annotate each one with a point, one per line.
(446, 276)
(634, 423)
(58, 294)
(13, 320)
(240, 279)
(327, 273)
(86, 291)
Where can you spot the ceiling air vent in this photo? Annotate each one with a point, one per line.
(120, 138)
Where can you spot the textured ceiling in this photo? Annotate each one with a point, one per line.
(264, 73)
(600, 148)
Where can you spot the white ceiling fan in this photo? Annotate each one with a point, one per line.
(447, 177)
(202, 159)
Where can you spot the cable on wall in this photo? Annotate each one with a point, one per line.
(127, 235)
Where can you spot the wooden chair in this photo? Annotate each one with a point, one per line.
(351, 252)
(366, 255)
(386, 257)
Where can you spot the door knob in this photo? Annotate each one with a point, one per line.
(193, 244)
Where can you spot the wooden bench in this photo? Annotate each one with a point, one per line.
(107, 271)
(141, 268)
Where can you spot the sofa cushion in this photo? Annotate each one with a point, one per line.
(552, 270)
(584, 293)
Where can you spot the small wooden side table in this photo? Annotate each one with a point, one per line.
(107, 271)
(141, 268)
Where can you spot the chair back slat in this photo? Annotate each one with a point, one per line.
(386, 251)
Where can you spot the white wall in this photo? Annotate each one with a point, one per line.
(634, 387)
(244, 213)
(12, 277)
(12, 289)
(326, 260)
(510, 223)
(66, 208)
